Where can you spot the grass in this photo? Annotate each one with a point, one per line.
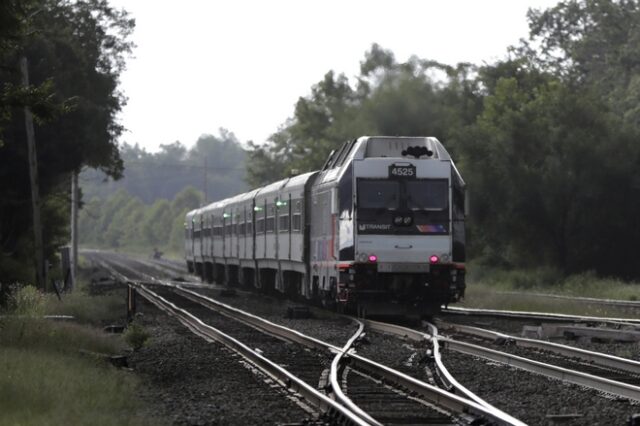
(85, 308)
(53, 388)
(144, 251)
(46, 376)
(491, 288)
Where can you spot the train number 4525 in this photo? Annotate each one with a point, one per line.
(408, 171)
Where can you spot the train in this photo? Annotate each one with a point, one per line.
(378, 230)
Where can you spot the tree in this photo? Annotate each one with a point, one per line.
(595, 42)
(417, 97)
(76, 50)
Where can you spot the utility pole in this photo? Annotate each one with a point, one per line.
(75, 199)
(205, 181)
(33, 176)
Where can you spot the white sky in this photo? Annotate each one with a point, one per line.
(204, 64)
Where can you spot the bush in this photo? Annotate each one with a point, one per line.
(25, 300)
(136, 336)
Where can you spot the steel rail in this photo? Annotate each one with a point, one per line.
(549, 370)
(335, 385)
(444, 374)
(320, 401)
(433, 394)
(165, 282)
(426, 391)
(543, 316)
(598, 358)
(440, 397)
(590, 300)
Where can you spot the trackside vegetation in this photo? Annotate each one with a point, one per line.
(525, 289)
(49, 373)
(546, 138)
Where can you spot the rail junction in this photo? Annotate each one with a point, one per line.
(353, 386)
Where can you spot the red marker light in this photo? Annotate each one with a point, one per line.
(373, 258)
(434, 259)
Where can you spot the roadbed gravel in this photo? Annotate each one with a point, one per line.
(192, 382)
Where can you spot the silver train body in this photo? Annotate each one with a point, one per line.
(380, 229)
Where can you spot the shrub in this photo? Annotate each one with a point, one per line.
(136, 336)
(26, 300)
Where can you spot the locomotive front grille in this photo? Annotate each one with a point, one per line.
(403, 267)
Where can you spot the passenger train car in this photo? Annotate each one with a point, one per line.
(379, 230)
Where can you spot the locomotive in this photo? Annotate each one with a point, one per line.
(379, 230)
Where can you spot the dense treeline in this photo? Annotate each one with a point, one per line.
(134, 212)
(163, 174)
(547, 139)
(75, 52)
(125, 221)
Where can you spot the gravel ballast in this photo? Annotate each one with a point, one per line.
(193, 382)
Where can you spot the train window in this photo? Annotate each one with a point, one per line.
(427, 194)
(241, 229)
(344, 153)
(283, 226)
(260, 226)
(270, 223)
(378, 194)
(296, 222)
(249, 228)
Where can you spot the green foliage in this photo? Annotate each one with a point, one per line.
(157, 222)
(30, 391)
(136, 336)
(39, 355)
(75, 52)
(124, 221)
(88, 309)
(150, 176)
(26, 300)
(38, 334)
(388, 98)
(546, 140)
(525, 289)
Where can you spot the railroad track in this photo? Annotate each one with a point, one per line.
(382, 382)
(635, 304)
(603, 363)
(600, 371)
(611, 377)
(538, 316)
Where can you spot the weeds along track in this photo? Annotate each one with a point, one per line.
(367, 392)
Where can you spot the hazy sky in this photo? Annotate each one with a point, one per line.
(204, 64)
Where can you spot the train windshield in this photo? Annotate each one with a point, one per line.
(378, 194)
(427, 194)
